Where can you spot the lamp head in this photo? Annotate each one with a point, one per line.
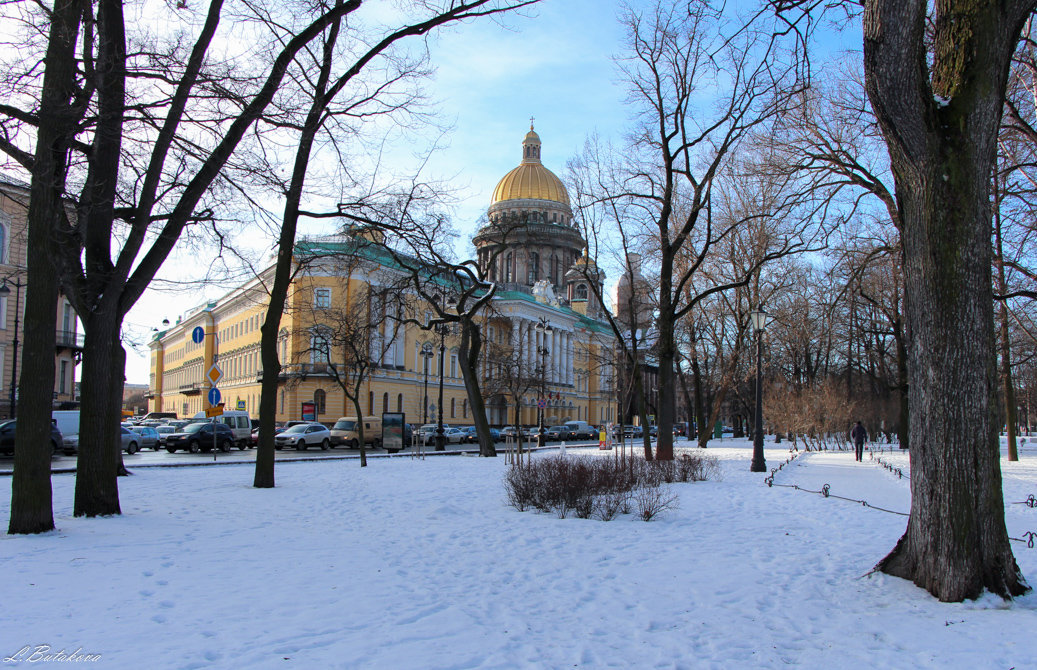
(759, 318)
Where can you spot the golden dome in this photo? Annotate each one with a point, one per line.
(530, 180)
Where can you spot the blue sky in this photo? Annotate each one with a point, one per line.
(556, 67)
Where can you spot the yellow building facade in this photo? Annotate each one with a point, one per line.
(567, 365)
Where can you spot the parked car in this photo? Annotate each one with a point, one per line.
(158, 415)
(148, 437)
(255, 434)
(7, 431)
(508, 431)
(130, 441)
(347, 431)
(426, 430)
(163, 431)
(197, 437)
(239, 423)
(451, 435)
(582, 430)
(472, 437)
(302, 435)
(559, 433)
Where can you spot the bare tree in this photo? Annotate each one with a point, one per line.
(323, 92)
(509, 375)
(663, 182)
(100, 116)
(348, 338)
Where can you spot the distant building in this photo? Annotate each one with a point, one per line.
(14, 208)
(529, 249)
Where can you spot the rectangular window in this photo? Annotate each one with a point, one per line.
(62, 374)
(453, 365)
(322, 298)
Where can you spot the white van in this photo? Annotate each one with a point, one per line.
(239, 423)
(67, 422)
(582, 429)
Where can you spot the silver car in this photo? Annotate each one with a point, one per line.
(149, 437)
(130, 441)
(303, 435)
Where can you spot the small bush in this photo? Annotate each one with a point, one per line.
(609, 504)
(651, 500)
(603, 487)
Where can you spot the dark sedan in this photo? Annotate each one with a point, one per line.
(7, 429)
(559, 433)
(200, 437)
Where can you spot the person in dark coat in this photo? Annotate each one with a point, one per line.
(859, 435)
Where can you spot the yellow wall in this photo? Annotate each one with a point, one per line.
(181, 364)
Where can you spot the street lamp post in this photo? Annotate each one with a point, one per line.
(4, 291)
(543, 327)
(440, 437)
(426, 354)
(759, 319)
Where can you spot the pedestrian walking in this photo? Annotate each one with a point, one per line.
(859, 435)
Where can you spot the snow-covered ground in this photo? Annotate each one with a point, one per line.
(421, 564)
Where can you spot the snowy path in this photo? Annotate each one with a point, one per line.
(421, 564)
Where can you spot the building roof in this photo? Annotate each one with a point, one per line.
(530, 180)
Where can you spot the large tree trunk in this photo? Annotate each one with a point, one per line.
(31, 494)
(942, 153)
(667, 391)
(468, 356)
(263, 478)
(97, 470)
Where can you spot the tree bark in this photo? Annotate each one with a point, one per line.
(1006, 345)
(468, 357)
(942, 140)
(97, 469)
(31, 493)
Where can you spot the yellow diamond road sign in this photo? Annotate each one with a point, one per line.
(215, 374)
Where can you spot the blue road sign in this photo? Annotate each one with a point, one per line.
(198, 334)
(214, 396)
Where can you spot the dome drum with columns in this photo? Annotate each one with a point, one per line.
(531, 236)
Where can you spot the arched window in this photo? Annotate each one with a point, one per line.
(399, 402)
(320, 401)
(509, 268)
(385, 402)
(581, 292)
(453, 408)
(534, 267)
(4, 223)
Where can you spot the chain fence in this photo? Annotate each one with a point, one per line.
(1029, 538)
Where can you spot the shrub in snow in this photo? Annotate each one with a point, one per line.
(602, 487)
(651, 500)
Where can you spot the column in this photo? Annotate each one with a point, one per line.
(514, 336)
(555, 360)
(570, 351)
